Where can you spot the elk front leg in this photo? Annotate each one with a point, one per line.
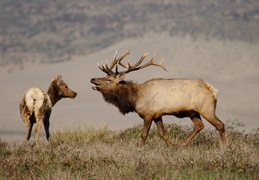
(198, 126)
(218, 124)
(146, 128)
(161, 130)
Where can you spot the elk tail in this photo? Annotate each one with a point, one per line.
(213, 90)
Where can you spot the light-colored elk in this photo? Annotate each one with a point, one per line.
(158, 97)
(36, 105)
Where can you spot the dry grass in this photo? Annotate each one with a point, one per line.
(89, 153)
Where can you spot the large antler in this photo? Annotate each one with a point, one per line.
(108, 70)
(137, 67)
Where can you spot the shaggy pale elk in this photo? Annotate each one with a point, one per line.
(36, 106)
(158, 97)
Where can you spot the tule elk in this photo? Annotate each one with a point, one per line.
(158, 97)
(36, 105)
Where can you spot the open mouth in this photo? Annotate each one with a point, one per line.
(96, 86)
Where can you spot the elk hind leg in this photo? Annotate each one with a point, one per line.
(29, 126)
(39, 122)
(46, 127)
(198, 126)
(161, 130)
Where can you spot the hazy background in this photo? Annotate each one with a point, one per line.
(214, 40)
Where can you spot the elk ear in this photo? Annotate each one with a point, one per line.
(53, 78)
(59, 78)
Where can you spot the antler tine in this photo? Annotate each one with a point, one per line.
(140, 60)
(105, 69)
(123, 65)
(152, 62)
(115, 60)
(99, 66)
(137, 67)
(119, 60)
(161, 64)
(108, 70)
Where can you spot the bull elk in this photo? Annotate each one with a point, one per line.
(158, 97)
(36, 106)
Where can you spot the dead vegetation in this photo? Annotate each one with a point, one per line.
(98, 153)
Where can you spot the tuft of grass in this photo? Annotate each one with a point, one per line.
(82, 135)
(99, 153)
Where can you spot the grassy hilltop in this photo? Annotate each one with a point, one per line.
(38, 31)
(98, 153)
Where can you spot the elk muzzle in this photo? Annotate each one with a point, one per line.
(74, 95)
(93, 80)
(68, 94)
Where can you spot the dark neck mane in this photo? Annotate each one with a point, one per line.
(124, 97)
(53, 93)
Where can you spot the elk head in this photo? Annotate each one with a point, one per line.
(115, 78)
(62, 89)
(58, 89)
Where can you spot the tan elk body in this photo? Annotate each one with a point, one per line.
(36, 106)
(158, 97)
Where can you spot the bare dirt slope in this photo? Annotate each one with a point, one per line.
(231, 66)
